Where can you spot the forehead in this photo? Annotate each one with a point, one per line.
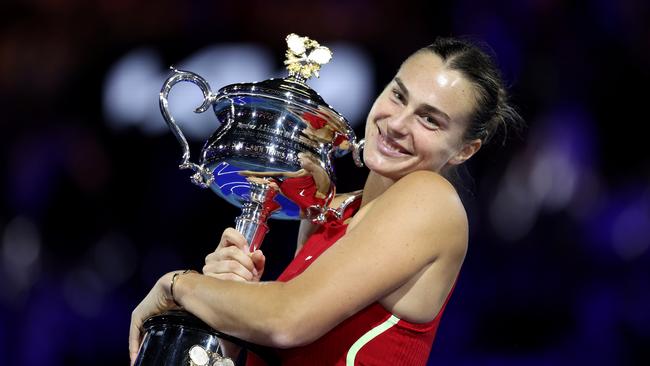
(430, 81)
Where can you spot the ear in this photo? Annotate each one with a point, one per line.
(469, 148)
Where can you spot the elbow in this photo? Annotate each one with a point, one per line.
(292, 329)
(284, 337)
(286, 334)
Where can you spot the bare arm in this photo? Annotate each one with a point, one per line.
(406, 229)
(414, 222)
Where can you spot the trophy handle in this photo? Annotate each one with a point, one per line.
(203, 176)
(357, 147)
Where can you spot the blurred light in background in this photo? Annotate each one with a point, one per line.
(113, 257)
(347, 83)
(131, 89)
(84, 291)
(497, 35)
(21, 251)
(621, 224)
(105, 266)
(546, 177)
(132, 85)
(631, 228)
(44, 160)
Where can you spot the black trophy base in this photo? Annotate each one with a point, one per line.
(171, 338)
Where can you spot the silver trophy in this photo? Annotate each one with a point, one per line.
(269, 132)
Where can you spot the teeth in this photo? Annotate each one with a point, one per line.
(392, 146)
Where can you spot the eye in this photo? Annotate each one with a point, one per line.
(430, 121)
(398, 95)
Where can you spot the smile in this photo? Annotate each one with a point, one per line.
(389, 146)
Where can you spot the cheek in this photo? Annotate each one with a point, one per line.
(369, 126)
(369, 120)
(382, 107)
(434, 150)
(378, 112)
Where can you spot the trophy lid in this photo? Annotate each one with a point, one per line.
(304, 58)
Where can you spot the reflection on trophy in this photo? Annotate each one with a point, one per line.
(271, 156)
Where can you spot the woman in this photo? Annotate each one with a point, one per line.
(369, 287)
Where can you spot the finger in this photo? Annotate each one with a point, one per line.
(134, 337)
(227, 277)
(232, 254)
(228, 266)
(232, 237)
(230, 276)
(258, 260)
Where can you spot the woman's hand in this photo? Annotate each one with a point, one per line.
(157, 301)
(232, 259)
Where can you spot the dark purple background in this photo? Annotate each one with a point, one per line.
(558, 268)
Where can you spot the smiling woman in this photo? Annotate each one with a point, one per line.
(368, 287)
(418, 121)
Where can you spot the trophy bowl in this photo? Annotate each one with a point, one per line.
(266, 128)
(268, 132)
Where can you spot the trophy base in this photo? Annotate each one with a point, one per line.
(178, 338)
(170, 336)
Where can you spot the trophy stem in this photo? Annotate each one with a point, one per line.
(261, 204)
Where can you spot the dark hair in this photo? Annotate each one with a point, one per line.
(493, 110)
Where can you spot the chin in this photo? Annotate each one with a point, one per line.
(383, 168)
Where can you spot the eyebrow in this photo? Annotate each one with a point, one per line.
(427, 107)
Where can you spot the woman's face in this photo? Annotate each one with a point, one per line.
(418, 121)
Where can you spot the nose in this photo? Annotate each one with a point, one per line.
(397, 125)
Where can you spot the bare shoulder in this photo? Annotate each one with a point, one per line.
(402, 248)
(428, 193)
(424, 182)
(426, 205)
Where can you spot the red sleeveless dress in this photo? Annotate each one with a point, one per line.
(373, 336)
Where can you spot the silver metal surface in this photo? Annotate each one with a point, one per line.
(357, 148)
(203, 177)
(263, 127)
(270, 156)
(178, 338)
(252, 221)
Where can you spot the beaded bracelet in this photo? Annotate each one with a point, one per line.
(171, 288)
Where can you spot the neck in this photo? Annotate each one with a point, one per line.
(374, 187)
